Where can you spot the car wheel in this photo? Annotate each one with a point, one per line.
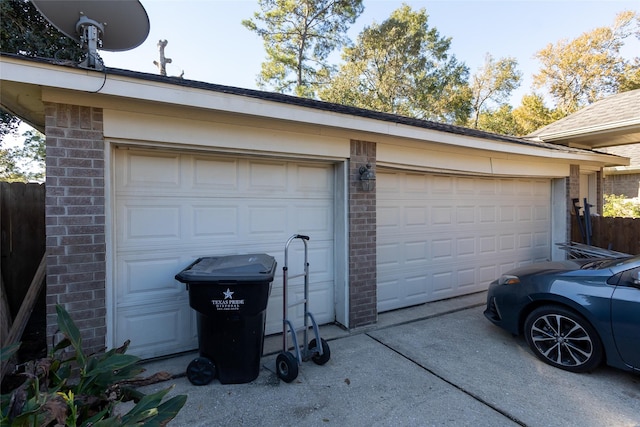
(563, 339)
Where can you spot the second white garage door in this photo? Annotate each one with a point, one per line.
(172, 207)
(441, 236)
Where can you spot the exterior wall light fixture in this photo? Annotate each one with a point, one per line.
(367, 177)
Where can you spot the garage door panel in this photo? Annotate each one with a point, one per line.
(415, 286)
(386, 254)
(170, 326)
(465, 246)
(147, 279)
(149, 171)
(210, 222)
(214, 206)
(441, 184)
(267, 221)
(134, 226)
(441, 249)
(215, 174)
(267, 176)
(466, 278)
(313, 181)
(313, 217)
(443, 282)
(320, 303)
(474, 226)
(414, 252)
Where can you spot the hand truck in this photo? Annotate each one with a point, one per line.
(317, 349)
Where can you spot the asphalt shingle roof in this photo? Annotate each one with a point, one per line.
(610, 112)
(315, 104)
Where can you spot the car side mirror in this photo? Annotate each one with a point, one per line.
(635, 278)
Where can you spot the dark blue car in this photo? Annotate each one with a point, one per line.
(574, 314)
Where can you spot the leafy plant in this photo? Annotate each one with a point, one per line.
(72, 389)
(621, 207)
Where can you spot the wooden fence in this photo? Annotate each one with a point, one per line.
(618, 234)
(22, 244)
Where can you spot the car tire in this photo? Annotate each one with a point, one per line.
(563, 338)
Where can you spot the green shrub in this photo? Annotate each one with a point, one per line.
(620, 207)
(69, 388)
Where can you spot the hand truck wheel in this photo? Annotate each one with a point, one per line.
(326, 352)
(201, 371)
(287, 366)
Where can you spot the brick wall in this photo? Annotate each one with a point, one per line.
(626, 185)
(573, 192)
(599, 192)
(362, 239)
(75, 220)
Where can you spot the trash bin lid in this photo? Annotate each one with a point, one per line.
(231, 268)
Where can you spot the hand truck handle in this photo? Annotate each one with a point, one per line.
(301, 236)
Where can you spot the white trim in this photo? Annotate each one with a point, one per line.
(341, 243)
(109, 237)
(600, 129)
(66, 85)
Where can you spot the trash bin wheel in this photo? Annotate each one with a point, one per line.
(201, 371)
(326, 352)
(287, 366)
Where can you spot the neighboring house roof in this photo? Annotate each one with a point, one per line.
(632, 151)
(612, 121)
(22, 98)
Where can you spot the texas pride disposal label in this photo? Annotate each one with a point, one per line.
(227, 303)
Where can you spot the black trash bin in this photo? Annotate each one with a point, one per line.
(230, 294)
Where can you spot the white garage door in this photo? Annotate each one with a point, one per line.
(171, 208)
(441, 236)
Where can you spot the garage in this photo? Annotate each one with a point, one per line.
(171, 207)
(441, 236)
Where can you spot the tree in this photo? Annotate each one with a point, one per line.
(499, 120)
(531, 115)
(299, 36)
(403, 67)
(24, 163)
(590, 67)
(24, 31)
(493, 83)
(630, 79)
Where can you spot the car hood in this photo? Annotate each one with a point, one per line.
(547, 267)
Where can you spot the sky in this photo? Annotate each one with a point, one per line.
(207, 41)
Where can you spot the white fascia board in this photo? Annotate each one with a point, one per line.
(94, 82)
(616, 127)
(42, 74)
(622, 170)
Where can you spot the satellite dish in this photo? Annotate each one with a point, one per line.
(98, 24)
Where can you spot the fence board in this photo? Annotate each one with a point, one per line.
(22, 244)
(618, 234)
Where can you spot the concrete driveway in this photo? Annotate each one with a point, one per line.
(452, 367)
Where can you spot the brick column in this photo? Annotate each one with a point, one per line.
(599, 192)
(75, 220)
(362, 239)
(573, 192)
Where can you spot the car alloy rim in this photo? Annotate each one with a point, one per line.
(561, 340)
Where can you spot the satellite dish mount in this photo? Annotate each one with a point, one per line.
(90, 33)
(127, 20)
